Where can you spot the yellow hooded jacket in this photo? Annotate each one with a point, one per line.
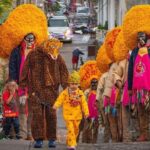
(70, 112)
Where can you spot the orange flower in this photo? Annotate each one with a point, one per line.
(137, 19)
(102, 59)
(120, 50)
(110, 41)
(26, 18)
(87, 72)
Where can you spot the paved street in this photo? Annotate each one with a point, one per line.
(25, 145)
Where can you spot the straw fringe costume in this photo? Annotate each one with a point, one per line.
(114, 121)
(99, 98)
(91, 125)
(120, 74)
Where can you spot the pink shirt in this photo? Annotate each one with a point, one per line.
(125, 96)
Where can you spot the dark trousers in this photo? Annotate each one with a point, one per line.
(9, 121)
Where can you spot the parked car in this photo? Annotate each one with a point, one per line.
(80, 23)
(58, 27)
(83, 11)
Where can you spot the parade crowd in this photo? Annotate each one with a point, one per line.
(111, 92)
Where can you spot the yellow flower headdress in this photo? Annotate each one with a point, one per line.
(52, 46)
(26, 18)
(87, 72)
(120, 50)
(102, 59)
(110, 41)
(137, 19)
(74, 77)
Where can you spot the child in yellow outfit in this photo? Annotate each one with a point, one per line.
(74, 105)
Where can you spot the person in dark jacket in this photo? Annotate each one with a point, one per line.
(75, 58)
(139, 83)
(16, 63)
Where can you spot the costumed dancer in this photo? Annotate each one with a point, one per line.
(136, 37)
(99, 101)
(103, 63)
(90, 74)
(24, 31)
(139, 83)
(128, 118)
(47, 72)
(110, 104)
(16, 62)
(74, 105)
(120, 77)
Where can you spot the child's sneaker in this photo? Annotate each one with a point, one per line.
(51, 143)
(71, 148)
(38, 144)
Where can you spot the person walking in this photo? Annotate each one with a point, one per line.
(75, 58)
(74, 105)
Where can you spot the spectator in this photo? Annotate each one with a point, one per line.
(10, 108)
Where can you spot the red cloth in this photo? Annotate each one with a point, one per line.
(10, 110)
(21, 91)
(75, 59)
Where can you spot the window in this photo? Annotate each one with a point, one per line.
(58, 23)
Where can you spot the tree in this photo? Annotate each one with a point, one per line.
(5, 7)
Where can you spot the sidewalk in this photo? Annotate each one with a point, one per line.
(25, 145)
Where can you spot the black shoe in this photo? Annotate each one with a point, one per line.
(38, 144)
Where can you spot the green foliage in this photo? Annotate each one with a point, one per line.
(105, 27)
(5, 7)
(55, 6)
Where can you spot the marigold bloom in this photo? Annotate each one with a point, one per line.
(26, 18)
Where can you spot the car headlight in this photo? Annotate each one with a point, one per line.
(67, 32)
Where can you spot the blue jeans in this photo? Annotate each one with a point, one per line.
(11, 121)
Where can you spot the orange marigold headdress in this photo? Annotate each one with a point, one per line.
(102, 59)
(120, 50)
(110, 41)
(137, 19)
(87, 72)
(26, 18)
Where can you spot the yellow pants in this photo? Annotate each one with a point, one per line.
(72, 131)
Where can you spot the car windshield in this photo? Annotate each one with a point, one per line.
(81, 20)
(58, 23)
(85, 10)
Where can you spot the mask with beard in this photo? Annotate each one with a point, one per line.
(94, 84)
(142, 39)
(29, 39)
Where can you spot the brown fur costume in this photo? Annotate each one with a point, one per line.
(43, 75)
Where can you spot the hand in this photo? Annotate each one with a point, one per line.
(54, 107)
(107, 98)
(12, 91)
(119, 84)
(96, 104)
(86, 116)
(22, 99)
(130, 92)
